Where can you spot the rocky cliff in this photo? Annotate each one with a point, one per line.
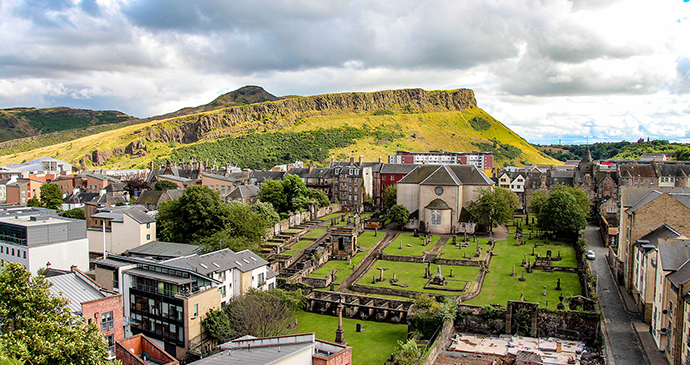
(278, 114)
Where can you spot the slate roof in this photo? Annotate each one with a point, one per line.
(155, 196)
(683, 198)
(447, 175)
(76, 289)
(438, 204)
(177, 178)
(665, 169)
(662, 232)
(78, 197)
(116, 214)
(218, 261)
(638, 170)
(103, 177)
(674, 253)
(115, 186)
(319, 172)
(261, 176)
(165, 249)
(254, 355)
(681, 276)
(139, 216)
(244, 191)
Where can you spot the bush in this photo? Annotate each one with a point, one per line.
(480, 124)
(383, 112)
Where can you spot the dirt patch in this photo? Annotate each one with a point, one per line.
(461, 358)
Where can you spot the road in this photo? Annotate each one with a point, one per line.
(623, 341)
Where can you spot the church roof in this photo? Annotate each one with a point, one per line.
(446, 175)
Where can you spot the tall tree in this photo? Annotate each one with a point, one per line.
(38, 328)
(561, 214)
(537, 200)
(390, 196)
(319, 197)
(197, 213)
(76, 213)
(399, 214)
(272, 192)
(51, 196)
(294, 188)
(580, 196)
(494, 206)
(266, 211)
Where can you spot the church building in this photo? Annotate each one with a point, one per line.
(436, 195)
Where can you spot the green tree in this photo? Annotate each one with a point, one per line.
(271, 191)
(294, 188)
(580, 196)
(33, 202)
(682, 154)
(390, 196)
(51, 196)
(494, 206)
(164, 185)
(199, 212)
(244, 229)
(38, 328)
(319, 197)
(561, 214)
(267, 213)
(537, 200)
(76, 213)
(258, 313)
(399, 214)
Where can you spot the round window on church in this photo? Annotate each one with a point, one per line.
(438, 190)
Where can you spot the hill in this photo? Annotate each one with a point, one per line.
(308, 128)
(618, 150)
(243, 96)
(18, 123)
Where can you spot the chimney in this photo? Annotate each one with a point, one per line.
(361, 160)
(352, 160)
(332, 160)
(380, 160)
(151, 165)
(311, 168)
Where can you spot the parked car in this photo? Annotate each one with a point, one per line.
(590, 255)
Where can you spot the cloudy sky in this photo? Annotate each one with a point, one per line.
(552, 70)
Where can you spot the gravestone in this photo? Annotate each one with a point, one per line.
(558, 285)
(544, 293)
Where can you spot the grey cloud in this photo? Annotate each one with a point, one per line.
(49, 13)
(681, 85)
(90, 7)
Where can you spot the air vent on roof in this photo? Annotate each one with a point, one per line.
(245, 260)
(253, 258)
(216, 265)
(238, 263)
(204, 266)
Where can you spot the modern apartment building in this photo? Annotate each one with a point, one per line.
(39, 239)
(482, 160)
(118, 228)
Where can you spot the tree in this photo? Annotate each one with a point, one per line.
(580, 197)
(682, 154)
(38, 328)
(294, 188)
(319, 197)
(271, 191)
(164, 185)
(561, 213)
(33, 202)
(51, 196)
(199, 212)
(136, 185)
(537, 200)
(494, 206)
(267, 213)
(400, 215)
(258, 313)
(76, 213)
(390, 196)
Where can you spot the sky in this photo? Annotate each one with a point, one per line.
(554, 71)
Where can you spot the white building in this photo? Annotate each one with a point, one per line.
(41, 241)
(124, 228)
(238, 271)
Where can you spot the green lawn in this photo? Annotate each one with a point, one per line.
(409, 239)
(499, 286)
(451, 252)
(298, 246)
(293, 230)
(332, 216)
(412, 275)
(365, 241)
(316, 233)
(372, 346)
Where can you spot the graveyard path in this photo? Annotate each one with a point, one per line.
(367, 262)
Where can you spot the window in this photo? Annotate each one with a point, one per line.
(261, 278)
(222, 291)
(148, 225)
(196, 310)
(435, 217)
(110, 341)
(148, 236)
(107, 322)
(24, 254)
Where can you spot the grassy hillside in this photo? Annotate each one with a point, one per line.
(261, 140)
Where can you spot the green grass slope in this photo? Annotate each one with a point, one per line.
(371, 133)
